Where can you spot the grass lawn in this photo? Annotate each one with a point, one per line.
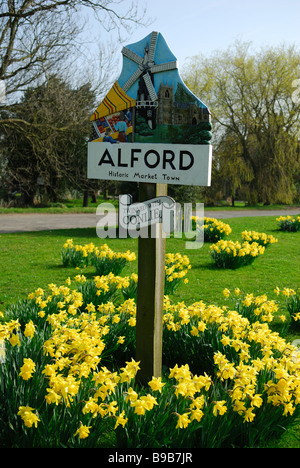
(32, 260)
(64, 206)
(76, 206)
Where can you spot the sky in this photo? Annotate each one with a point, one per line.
(193, 27)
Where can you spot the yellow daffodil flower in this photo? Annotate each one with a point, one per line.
(83, 431)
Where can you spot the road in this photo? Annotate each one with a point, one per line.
(26, 222)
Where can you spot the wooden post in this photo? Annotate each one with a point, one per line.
(151, 272)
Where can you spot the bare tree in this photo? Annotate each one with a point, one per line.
(51, 78)
(37, 36)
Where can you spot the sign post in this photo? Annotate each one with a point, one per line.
(150, 129)
(151, 279)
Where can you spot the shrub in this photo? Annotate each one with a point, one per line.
(229, 254)
(289, 223)
(104, 259)
(176, 268)
(292, 300)
(259, 237)
(214, 229)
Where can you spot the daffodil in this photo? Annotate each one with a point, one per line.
(131, 395)
(226, 292)
(219, 407)
(183, 420)
(29, 418)
(149, 401)
(91, 406)
(121, 420)
(249, 415)
(29, 329)
(83, 431)
(52, 397)
(15, 340)
(197, 414)
(139, 406)
(156, 384)
(27, 369)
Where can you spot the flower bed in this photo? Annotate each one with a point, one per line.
(68, 376)
(289, 223)
(176, 268)
(292, 299)
(260, 308)
(104, 259)
(214, 229)
(229, 254)
(260, 237)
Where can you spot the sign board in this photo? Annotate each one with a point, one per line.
(150, 129)
(157, 163)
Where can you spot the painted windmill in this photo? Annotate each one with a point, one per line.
(148, 94)
(146, 66)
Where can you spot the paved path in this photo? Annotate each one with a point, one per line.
(44, 222)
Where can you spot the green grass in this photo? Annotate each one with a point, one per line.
(31, 260)
(64, 206)
(75, 206)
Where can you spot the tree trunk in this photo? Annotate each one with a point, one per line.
(85, 199)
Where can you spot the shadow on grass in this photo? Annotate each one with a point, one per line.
(81, 233)
(206, 266)
(88, 272)
(54, 266)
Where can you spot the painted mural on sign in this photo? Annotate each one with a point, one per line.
(150, 102)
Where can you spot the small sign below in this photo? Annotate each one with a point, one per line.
(139, 215)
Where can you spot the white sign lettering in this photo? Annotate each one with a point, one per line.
(156, 162)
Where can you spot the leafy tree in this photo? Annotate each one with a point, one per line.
(256, 120)
(46, 142)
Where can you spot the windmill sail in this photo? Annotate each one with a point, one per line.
(164, 67)
(132, 80)
(132, 56)
(146, 64)
(152, 48)
(150, 87)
